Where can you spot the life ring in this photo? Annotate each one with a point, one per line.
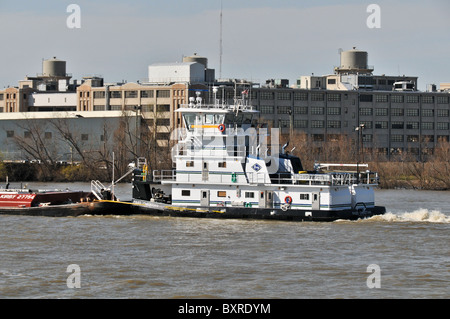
(288, 200)
(221, 128)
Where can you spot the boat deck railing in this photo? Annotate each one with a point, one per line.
(216, 151)
(331, 178)
(338, 178)
(164, 175)
(14, 190)
(238, 105)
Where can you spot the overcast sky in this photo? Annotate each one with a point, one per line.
(261, 39)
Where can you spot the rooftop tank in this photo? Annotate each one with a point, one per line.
(354, 61)
(196, 58)
(54, 68)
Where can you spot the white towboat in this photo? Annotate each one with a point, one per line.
(226, 168)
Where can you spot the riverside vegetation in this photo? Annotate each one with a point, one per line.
(430, 171)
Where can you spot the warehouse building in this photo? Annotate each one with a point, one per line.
(394, 117)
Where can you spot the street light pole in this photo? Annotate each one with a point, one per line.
(359, 129)
(291, 124)
(137, 129)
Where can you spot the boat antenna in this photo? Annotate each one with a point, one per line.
(220, 49)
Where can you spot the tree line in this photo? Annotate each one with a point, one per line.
(89, 162)
(55, 150)
(406, 169)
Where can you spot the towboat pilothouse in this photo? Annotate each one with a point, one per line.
(226, 167)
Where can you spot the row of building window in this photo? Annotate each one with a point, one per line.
(383, 98)
(47, 135)
(297, 96)
(84, 137)
(133, 94)
(396, 125)
(143, 108)
(10, 96)
(393, 138)
(336, 97)
(318, 110)
(401, 112)
(380, 98)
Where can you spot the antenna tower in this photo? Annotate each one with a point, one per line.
(220, 57)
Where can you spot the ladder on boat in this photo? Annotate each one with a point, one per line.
(98, 189)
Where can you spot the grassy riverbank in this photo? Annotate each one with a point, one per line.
(416, 175)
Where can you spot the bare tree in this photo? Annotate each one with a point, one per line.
(38, 145)
(440, 164)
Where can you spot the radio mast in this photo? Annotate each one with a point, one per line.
(220, 51)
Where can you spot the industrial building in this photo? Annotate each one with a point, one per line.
(63, 137)
(396, 118)
(90, 106)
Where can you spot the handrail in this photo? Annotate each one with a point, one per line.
(334, 178)
(96, 189)
(216, 151)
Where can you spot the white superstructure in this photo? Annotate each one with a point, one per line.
(223, 160)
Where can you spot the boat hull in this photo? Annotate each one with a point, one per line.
(160, 209)
(72, 210)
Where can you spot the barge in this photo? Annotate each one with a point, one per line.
(57, 203)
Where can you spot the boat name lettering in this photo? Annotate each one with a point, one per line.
(25, 196)
(15, 196)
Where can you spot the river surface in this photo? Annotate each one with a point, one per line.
(402, 254)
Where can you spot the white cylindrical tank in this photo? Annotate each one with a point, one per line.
(54, 67)
(196, 58)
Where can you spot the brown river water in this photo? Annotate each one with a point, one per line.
(166, 257)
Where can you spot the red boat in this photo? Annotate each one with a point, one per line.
(58, 203)
(28, 198)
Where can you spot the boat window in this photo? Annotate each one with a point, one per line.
(304, 196)
(190, 164)
(239, 118)
(221, 194)
(247, 118)
(189, 120)
(209, 119)
(222, 164)
(229, 119)
(219, 118)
